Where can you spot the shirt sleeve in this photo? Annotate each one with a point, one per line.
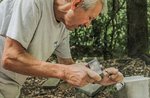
(24, 21)
(63, 50)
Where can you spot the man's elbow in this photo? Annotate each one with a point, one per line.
(6, 63)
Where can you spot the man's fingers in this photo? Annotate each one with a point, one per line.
(115, 76)
(92, 74)
(120, 77)
(111, 71)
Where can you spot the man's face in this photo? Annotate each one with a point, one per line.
(79, 17)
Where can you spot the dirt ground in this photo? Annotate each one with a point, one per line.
(129, 67)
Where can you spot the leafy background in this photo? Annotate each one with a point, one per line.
(107, 36)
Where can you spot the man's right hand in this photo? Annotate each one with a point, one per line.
(79, 75)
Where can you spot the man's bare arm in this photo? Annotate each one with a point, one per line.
(15, 58)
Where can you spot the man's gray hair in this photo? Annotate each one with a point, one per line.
(86, 4)
(89, 3)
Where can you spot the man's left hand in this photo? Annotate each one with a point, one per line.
(111, 76)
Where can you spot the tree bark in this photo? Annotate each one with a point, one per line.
(137, 32)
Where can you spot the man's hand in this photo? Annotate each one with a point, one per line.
(111, 76)
(79, 75)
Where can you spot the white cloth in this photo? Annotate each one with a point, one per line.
(32, 23)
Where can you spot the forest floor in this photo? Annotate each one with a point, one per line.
(128, 66)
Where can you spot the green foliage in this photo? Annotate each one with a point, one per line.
(106, 36)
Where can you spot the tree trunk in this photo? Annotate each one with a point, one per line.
(137, 27)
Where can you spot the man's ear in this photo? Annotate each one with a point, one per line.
(76, 3)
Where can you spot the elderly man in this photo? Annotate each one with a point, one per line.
(31, 30)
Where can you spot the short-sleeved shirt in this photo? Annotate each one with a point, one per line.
(32, 23)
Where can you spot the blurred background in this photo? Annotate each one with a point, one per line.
(123, 31)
